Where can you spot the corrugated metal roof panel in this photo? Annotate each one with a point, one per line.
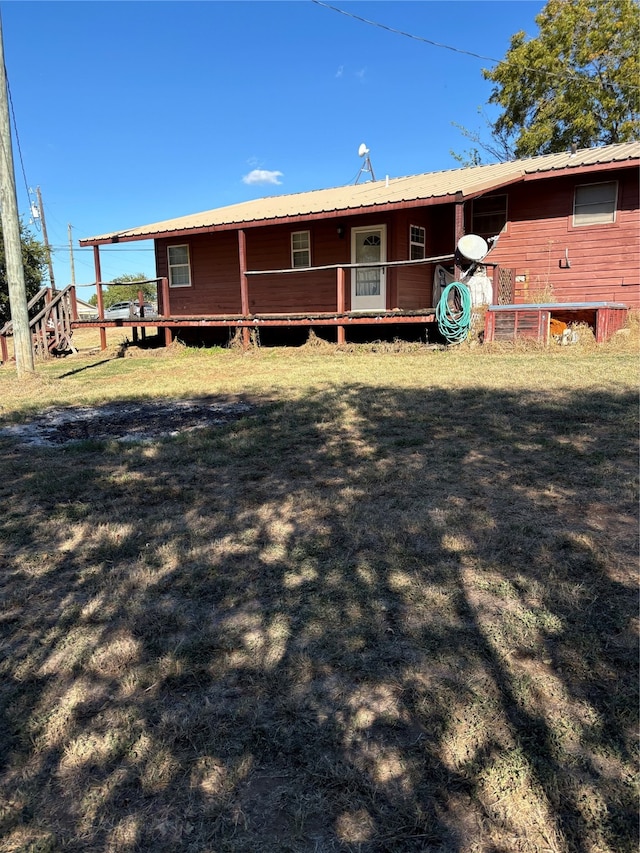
(430, 185)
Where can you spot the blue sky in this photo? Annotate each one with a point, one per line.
(133, 112)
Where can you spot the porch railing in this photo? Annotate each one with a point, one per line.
(501, 289)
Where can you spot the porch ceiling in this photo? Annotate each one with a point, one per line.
(388, 193)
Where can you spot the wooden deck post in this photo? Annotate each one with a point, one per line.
(341, 302)
(143, 332)
(244, 283)
(96, 264)
(164, 289)
(459, 229)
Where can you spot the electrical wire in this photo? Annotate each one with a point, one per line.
(59, 247)
(453, 312)
(402, 33)
(15, 130)
(557, 74)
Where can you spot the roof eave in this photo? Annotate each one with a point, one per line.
(124, 237)
(568, 170)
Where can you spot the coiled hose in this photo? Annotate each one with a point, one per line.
(453, 312)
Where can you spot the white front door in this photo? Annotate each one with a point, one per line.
(369, 284)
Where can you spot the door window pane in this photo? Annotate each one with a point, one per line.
(368, 282)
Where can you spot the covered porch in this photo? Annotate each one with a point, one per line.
(252, 317)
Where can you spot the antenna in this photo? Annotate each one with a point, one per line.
(363, 152)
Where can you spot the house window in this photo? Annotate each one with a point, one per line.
(300, 249)
(489, 215)
(179, 268)
(417, 242)
(595, 204)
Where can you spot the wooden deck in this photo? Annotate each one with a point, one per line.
(340, 321)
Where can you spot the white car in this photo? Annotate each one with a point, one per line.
(128, 311)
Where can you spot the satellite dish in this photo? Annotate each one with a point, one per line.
(472, 247)
(363, 152)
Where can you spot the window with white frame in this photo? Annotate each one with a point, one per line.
(595, 204)
(417, 242)
(179, 267)
(489, 215)
(300, 249)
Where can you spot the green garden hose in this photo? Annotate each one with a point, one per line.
(453, 312)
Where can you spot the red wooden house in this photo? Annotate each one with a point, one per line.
(567, 229)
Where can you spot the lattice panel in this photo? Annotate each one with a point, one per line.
(506, 279)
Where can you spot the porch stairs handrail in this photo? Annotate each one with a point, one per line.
(51, 326)
(7, 329)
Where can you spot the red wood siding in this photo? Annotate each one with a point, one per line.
(270, 248)
(215, 275)
(413, 284)
(605, 259)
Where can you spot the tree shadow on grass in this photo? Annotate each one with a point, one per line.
(368, 620)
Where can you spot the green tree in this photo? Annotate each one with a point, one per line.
(125, 288)
(576, 83)
(34, 262)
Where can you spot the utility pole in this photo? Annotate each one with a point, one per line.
(46, 241)
(11, 235)
(73, 269)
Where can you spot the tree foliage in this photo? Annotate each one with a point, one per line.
(34, 262)
(125, 288)
(576, 83)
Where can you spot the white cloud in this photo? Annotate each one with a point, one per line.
(340, 71)
(262, 176)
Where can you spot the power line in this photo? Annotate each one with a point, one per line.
(558, 74)
(59, 246)
(15, 130)
(402, 33)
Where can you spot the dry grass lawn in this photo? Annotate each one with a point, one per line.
(393, 608)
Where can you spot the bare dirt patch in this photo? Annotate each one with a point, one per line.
(130, 421)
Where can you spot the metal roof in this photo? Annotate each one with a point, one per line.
(464, 183)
